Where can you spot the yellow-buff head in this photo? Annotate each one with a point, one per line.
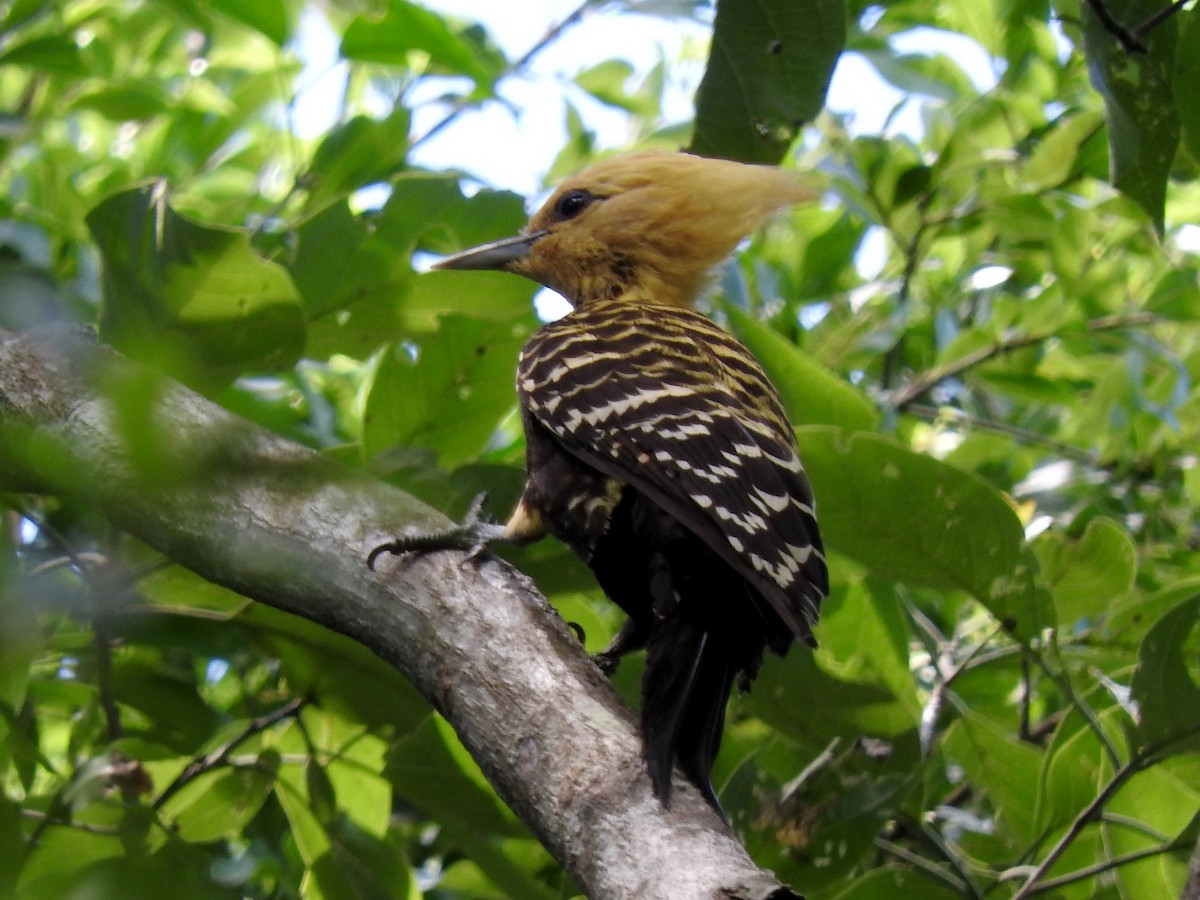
(647, 226)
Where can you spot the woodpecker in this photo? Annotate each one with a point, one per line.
(656, 447)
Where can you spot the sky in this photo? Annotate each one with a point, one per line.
(513, 147)
(511, 144)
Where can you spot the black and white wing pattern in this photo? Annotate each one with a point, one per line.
(664, 400)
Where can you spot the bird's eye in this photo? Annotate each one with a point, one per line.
(572, 203)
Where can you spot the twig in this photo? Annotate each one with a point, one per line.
(1026, 695)
(822, 759)
(1142, 760)
(463, 104)
(925, 865)
(1063, 681)
(1023, 435)
(1126, 38)
(219, 756)
(1085, 816)
(1132, 40)
(946, 671)
(955, 860)
(1113, 863)
(904, 395)
(894, 356)
(1158, 18)
(45, 819)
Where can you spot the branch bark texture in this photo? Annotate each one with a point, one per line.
(288, 527)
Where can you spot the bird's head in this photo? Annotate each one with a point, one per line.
(650, 226)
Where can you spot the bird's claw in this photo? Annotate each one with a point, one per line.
(472, 534)
(607, 663)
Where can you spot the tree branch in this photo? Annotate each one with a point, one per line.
(1132, 40)
(906, 394)
(288, 527)
(207, 761)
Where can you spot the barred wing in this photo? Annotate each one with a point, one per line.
(664, 400)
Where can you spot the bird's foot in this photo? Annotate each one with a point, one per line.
(631, 636)
(472, 534)
(607, 663)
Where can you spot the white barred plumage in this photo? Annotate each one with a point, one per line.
(684, 420)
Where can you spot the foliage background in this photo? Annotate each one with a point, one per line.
(1001, 426)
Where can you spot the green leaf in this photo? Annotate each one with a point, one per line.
(499, 861)
(58, 54)
(321, 794)
(1162, 800)
(812, 395)
(351, 786)
(343, 673)
(218, 803)
(12, 846)
(1005, 769)
(606, 82)
(339, 261)
(324, 879)
(357, 153)
(432, 212)
(272, 18)
(451, 396)
(915, 73)
(172, 711)
(1176, 295)
(1054, 159)
(893, 882)
(767, 75)
(865, 638)
(1165, 682)
(127, 102)
(195, 300)
(1139, 104)
(785, 694)
(1186, 82)
(71, 863)
(359, 266)
(1086, 576)
(911, 518)
(430, 769)
(1075, 768)
(405, 27)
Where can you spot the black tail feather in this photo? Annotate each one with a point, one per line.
(689, 675)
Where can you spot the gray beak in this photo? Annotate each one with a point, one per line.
(496, 255)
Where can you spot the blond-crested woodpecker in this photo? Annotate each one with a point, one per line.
(656, 448)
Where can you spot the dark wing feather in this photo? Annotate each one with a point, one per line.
(665, 401)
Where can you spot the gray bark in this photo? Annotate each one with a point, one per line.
(285, 526)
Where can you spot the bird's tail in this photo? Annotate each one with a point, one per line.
(689, 674)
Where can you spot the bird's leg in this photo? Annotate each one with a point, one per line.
(632, 636)
(473, 534)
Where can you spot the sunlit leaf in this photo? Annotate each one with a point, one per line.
(358, 153)
(272, 18)
(1005, 769)
(219, 803)
(911, 518)
(405, 27)
(812, 395)
(449, 394)
(1086, 576)
(194, 299)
